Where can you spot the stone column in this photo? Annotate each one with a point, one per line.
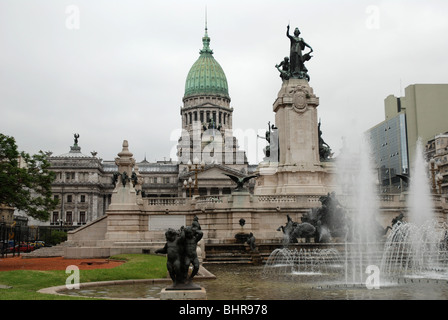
(125, 221)
(124, 195)
(296, 119)
(298, 171)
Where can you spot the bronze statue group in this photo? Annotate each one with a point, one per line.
(180, 249)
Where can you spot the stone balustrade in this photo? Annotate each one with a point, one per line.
(276, 201)
(164, 201)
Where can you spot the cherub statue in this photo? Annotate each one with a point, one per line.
(190, 237)
(171, 249)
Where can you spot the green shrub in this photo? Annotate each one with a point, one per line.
(57, 237)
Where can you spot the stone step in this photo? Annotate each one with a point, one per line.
(139, 244)
(234, 258)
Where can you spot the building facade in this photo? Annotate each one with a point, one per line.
(84, 183)
(390, 151)
(437, 156)
(82, 187)
(420, 114)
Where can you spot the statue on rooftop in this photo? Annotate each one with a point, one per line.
(76, 138)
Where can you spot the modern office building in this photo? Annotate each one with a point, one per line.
(390, 150)
(421, 114)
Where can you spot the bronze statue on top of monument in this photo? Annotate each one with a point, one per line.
(294, 66)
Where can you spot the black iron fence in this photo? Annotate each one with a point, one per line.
(16, 239)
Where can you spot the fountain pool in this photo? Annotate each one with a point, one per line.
(247, 282)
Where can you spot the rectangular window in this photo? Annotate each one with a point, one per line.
(68, 217)
(83, 198)
(70, 176)
(69, 198)
(55, 217)
(82, 217)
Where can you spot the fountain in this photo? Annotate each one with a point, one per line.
(303, 261)
(411, 261)
(414, 248)
(358, 182)
(417, 248)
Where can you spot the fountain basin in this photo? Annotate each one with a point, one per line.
(247, 282)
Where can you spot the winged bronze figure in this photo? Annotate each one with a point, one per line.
(240, 181)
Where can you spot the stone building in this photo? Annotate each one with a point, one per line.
(437, 156)
(6, 214)
(84, 183)
(207, 128)
(82, 186)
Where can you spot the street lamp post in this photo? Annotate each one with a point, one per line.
(196, 167)
(188, 184)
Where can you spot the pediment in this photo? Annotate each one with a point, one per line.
(215, 171)
(212, 173)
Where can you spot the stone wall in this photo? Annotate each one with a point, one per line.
(143, 230)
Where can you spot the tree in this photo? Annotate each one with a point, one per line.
(25, 181)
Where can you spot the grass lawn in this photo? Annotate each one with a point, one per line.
(25, 283)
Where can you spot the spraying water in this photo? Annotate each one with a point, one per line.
(420, 204)
(418, 245)
(358, 181)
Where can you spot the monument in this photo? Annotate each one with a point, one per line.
(180, 249)
(298, 168)
(126, 200)
(296, 174)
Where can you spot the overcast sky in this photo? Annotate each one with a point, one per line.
(115, 70)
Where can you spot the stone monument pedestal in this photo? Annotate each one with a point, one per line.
(298, 170)
(167, 294)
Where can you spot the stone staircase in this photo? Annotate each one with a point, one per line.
(237, 253)
(240, 253)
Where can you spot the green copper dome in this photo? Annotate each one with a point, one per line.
(206, 76)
